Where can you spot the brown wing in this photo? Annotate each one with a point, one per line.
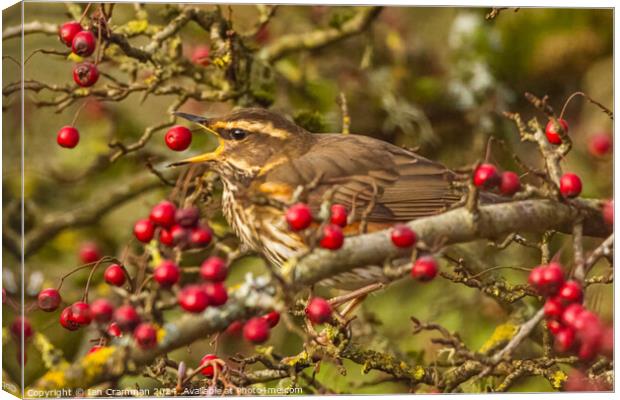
(371, 177)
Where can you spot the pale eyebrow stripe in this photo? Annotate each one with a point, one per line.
(256, 127)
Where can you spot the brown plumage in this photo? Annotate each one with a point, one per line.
(262, 154)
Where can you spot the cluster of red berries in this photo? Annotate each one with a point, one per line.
(425, 268)
(196, 297)
(177, 227)
(488, 177)
(299, 217)
(573, 327)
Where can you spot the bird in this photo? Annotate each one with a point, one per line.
(265, 159)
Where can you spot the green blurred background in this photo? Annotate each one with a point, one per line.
(432, 78)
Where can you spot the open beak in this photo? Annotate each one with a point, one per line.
(204, 123)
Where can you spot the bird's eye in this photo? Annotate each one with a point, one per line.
(238, 134)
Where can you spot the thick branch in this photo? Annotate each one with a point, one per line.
(30, 27)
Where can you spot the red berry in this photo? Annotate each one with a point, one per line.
(564, 339)
(570, 185)
(424, 269)
(571, 292)
(585, 322)
(188, 217)
(208, 371)
(214, 269)
(298, 217)
(83, 43)
(114, 330)
(66, 319)
(338, 215)
(81, 313)
(180, 235)
(554, 326)
(144, 230)
(200, 55)
(318, 310)
(126, 317)
(200, 237)
(234, 328)
(167, 274)
(510, 183)
(89, 252)
(94, 349)
(102, 310)
(145, 335)
(21, 325)
(600, 144)
(608, 212)
(571, 313)
(553, 308)
(272, 318)
(552, 279)
(178, 138)
(486, 176)
(193, 298)
(85, 74)
(256, 330)
(552, 131)
(535, 277)
(114, 275)
(402, 236)
(332, 237)
(216, 293)
(48, 299)
(67, 32)
(68, 137)
(165, 237)
(163, 214)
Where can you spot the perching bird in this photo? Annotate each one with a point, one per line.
(263, 155)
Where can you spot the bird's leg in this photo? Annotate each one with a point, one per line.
(355, 298)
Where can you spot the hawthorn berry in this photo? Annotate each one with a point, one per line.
(193, 298)
(332, 237)
(585, 322)
(256, 330)
(145, 335)
(114, 275)
(102, 310)
(48, 299)
(424, 269)
(510, 183)
(114, 330)
(318, 310)
(486, 176)
(571, 292)
(234, 328)
(200, 55)
(535, 278)
(554, 326)
(66, 319)
(188, 217)
(81, 313)
(208, 371)
(338, 215)
(600, 144)
(552, 130)
(608, 212)
(67, 32)
(200, 237)
(21, 326)
(216, 293)
(163, 214)
(144, 230)
(298, 216)
(175, 236)
(89, 252)
(178, 138)
(402, 236)
(564, 339)
(167, 274)
(272, 318)
(85, 74)
(126, 317)
(94, 349)
(68, 137)
(83, 43)
(570, 185)
(214, 269)
(547, 279)
(571, 313)
(553, 308)
(166, 238)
